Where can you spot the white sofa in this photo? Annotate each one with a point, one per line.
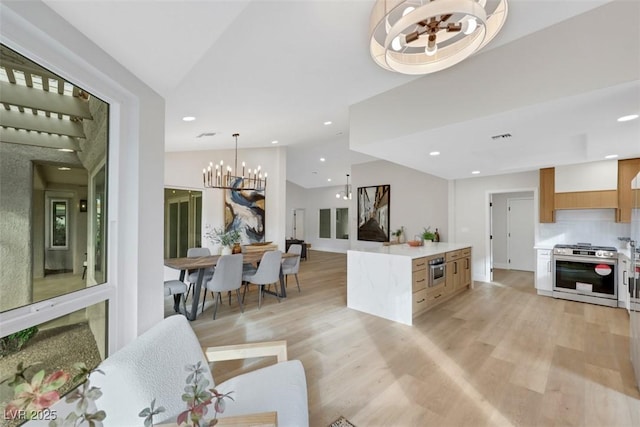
(153, 366)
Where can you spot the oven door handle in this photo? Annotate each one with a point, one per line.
(584, 259)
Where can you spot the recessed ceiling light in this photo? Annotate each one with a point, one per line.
(327, 123)
(328, 179)
(322, 159)
(66, 150)
(63, 168)
(611, 156)
(188, 118)
(274, 142)
(475, 172)
(434, 153)
(627, 118)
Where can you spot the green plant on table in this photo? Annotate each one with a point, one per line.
(223, 237)
(427, 234)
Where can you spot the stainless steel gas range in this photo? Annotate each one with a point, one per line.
(586, 273)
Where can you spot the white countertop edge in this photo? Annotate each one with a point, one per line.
(429, 249)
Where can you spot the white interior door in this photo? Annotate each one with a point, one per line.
(520, 236)
(298, 224)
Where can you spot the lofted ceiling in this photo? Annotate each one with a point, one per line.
(278, 70)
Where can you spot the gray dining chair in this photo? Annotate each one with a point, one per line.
(267, 273)
(177, 289)
(226, 278)
(192, 278)
(292, 265)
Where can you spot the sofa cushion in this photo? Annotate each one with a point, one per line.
(281, 387)
(151, 366)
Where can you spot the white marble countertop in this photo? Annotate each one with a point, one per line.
(404, 249)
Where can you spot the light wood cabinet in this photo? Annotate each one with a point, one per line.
(627, 170)
(458, 273)
(547, 194)
(554, 196)
(419, 285)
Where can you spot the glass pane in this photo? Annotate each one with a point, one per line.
(184, 229)
(325, 223)
(59, 224)
(183, 221)
(54, 346)
(198, 220)
(342, 223)
(53, 228)
(173, 231)
(100, 223)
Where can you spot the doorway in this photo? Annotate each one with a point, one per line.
(512, 231)
(183, 221)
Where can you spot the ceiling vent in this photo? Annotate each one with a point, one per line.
(206, 134)
(503, 136)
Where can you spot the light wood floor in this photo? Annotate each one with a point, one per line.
(495, 355)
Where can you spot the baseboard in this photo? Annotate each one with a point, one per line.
(545, 293)
(501, 265)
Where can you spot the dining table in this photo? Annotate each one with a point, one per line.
(201, 264)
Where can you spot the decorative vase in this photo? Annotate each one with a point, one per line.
(237, 249)
(226, 250)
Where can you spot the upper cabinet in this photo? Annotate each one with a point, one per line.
(627, 171)
(596, 185)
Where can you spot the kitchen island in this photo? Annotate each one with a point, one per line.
(393, 282)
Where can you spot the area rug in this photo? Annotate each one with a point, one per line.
(341, 422)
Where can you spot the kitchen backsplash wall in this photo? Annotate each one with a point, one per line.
(595, 226)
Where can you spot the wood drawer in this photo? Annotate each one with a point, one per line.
(419, 263)
(419, 280)
(435, 297)
(419, 302)
(453, 255)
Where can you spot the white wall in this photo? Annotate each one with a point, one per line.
(136, 132)
(470, 211)
(296, 199)
(325, 198)
(184, 170)
(418, 200)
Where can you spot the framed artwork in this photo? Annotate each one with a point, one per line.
(373, 213)
(244, 211)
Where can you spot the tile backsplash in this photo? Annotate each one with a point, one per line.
(595, 226)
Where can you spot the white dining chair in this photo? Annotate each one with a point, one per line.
(268, 272)
(226, 278)
(292, 265)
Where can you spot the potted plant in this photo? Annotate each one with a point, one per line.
(226, 239)
(428, 235)
(398, 234)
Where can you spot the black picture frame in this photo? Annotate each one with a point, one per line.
(374, 212)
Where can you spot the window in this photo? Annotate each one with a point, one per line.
(325, 223)
(342, 223)
(59, 231)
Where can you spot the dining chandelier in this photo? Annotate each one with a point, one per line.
(346, 193)
(425, 36)
(217, 176)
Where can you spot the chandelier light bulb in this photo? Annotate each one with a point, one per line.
(395, 44)
(469, 26)
(408, 10)
(337, 195)
(431, 50)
